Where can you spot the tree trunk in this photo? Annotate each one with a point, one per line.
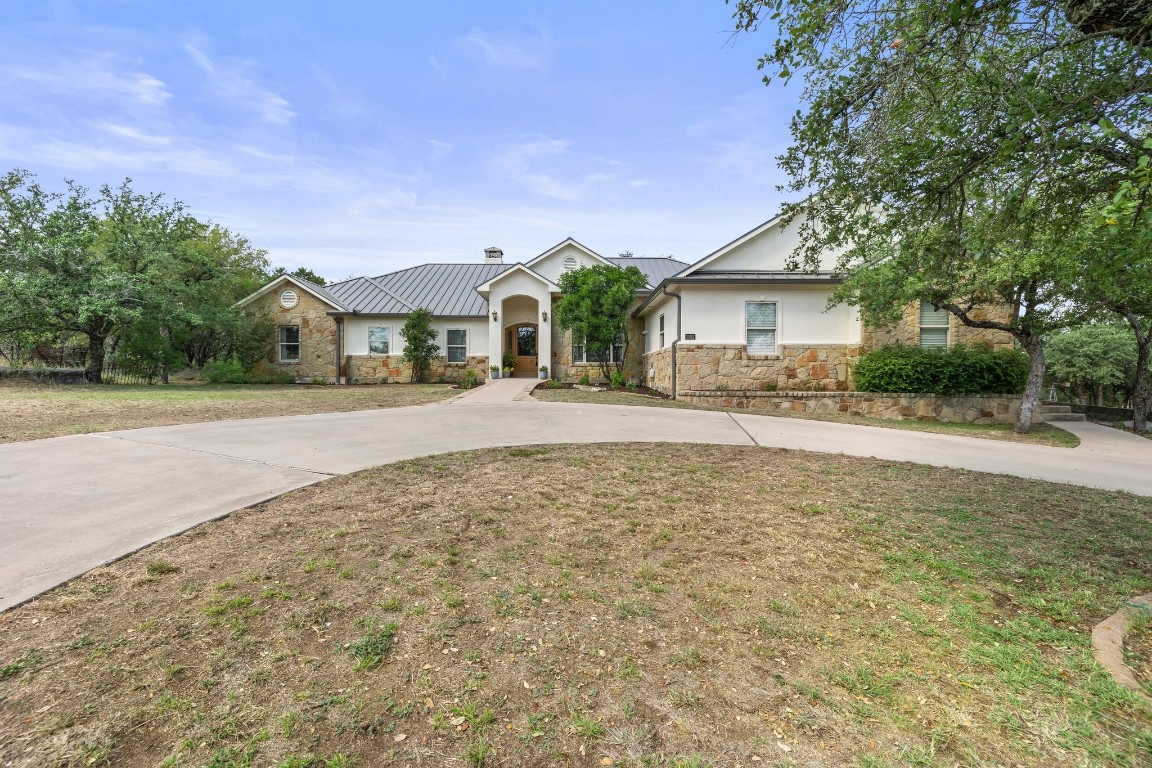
(1034, 346)
(1142, 394)
(94, 373)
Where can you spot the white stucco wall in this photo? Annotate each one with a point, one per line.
(356, 333)
(512, 295)
(552, 266)
(716, 315)
(768, 250)
(667, 307)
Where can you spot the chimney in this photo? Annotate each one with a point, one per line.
(493, 255)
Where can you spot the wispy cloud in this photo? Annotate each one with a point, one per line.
(506, 52)
(230, 81)
(95, 76)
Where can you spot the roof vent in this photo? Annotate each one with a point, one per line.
(493, 255)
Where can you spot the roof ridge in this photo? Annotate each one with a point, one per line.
(389, 293)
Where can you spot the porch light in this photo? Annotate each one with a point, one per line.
(544, 315)
(495, 316)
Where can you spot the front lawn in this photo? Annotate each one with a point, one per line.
(31, 411)
(1041, 434)
(639, 605)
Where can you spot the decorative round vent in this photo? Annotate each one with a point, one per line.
(289, 298)
(570, 263)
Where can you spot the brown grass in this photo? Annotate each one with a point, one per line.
(33, 411)
(1041, 434)
(646, 605)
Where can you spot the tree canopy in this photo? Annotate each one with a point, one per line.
(419, 342)
(953, 152)
(594, 306)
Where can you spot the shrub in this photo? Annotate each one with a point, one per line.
(225, 372)
(616, 379)
(957, 370)
(469, 379)
(585, 381)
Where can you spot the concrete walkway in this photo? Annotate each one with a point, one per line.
(69, 504)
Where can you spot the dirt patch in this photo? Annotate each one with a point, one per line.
(571, 605)
(30, 411)
(1138, 653)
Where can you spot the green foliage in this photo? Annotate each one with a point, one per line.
(594, 306)
(585, 381)
(1092, 357)
(469, 379)
(232, 371)
(301, 272)
(371, 651)
(957, 370)
(508, 361)
(419, 342)
(954, 153)
(616, 379)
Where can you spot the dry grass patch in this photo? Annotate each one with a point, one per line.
(1041, 434)
(571, 605)
(31, 411)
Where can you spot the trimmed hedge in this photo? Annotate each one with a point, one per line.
(956, 370)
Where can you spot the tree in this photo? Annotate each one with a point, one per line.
(419, 342)
(1091, 358)
(594, 306)
(951, 150)
(301, 272)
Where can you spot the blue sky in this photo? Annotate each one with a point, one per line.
(361, 137)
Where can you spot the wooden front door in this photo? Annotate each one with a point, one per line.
(521, 341)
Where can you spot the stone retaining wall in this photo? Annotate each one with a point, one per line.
(810, 367)
(392, 369)
(972, 409)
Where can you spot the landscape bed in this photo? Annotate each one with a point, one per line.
(639, 605)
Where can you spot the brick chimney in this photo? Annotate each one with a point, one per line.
(493, 255)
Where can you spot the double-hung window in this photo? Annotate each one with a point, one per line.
(457, 347)
(760, 327)
(933, 326)
(380, 340)
(661, 331)
(614, 354)
(289, 343)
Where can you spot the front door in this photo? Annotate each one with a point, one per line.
(521, 341)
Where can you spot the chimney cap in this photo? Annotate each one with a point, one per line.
(494, 254)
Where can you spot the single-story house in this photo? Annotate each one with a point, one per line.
(735, 319)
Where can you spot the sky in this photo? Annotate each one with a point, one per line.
(357, 138)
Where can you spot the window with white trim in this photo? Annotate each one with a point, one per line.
(933, 325)
(456, 349)
(380, 340)
(661, 331)
(613, 355)
(289, 343)
(760, 327)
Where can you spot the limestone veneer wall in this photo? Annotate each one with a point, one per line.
(971, 409)
(392, 368)
(907, 330)
(658, 370)
(317, 332)
(564, 369)
(826, 367)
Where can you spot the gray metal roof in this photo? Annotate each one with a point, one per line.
(320, 291)
(759, 276)
(446, 290)
(655, 269)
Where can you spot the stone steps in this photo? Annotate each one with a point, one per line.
(1050, 413)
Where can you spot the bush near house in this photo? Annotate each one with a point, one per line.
(958, 370)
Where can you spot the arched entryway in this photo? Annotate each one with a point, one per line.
(522, 341)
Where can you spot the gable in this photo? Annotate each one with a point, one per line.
(283, 282)
(564, 257)
(765, 249)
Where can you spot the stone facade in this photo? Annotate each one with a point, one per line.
(317, 332)
(972, 409)
(565, 370)
(907, 330)
(391, 369)
(823, 367)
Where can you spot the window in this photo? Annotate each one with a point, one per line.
(380, 341)
(613, 355)
(289, 343)
(457, 346)
(760, 323)
(933, 326)
(661, 332)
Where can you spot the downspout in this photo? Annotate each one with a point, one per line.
(664, 290)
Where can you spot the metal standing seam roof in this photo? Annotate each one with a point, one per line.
(655, 269)
(759, 276)
(446, 290)
(320, 291)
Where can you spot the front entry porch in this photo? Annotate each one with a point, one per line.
(521, 342)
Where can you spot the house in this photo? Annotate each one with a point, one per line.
(735, 319)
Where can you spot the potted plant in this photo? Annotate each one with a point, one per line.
(495, 369)
(507, 373)
(543, 371)
(509, 361)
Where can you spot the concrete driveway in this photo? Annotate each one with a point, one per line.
(72, 503)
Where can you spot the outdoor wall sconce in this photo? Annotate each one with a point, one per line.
(495, 316)
(544, 315)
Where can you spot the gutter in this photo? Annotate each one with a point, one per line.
(678, 297)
